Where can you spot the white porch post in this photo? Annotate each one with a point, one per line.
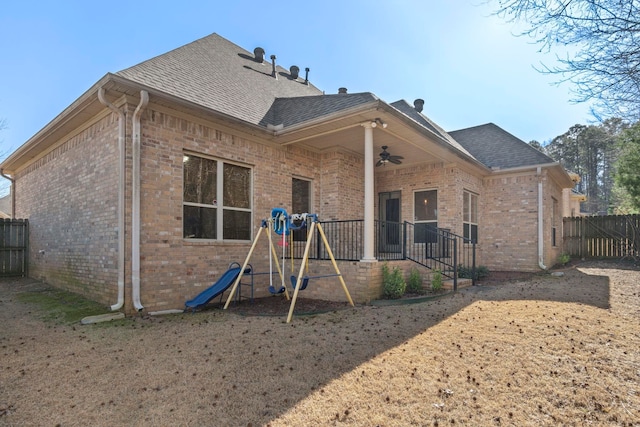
(369, 218)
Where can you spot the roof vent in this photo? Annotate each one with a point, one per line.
(342, 90)
(259, 54)
(294, 70)
(418, 104)
(306, 75)
(273, 67)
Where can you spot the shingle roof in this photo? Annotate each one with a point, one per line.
(408, 110)
(291, 111)
(217, 74)
(497, 148)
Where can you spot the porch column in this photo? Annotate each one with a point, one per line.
(369, 218)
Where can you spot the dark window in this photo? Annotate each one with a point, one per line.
(300, 203)
(206, 215)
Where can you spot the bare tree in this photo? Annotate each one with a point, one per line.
(603, 39)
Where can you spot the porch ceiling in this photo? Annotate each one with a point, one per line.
(347, 133)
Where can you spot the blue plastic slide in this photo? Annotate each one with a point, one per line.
(214, 290)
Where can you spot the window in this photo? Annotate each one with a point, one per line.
(470, 216)
(216, 199)
(425, 208)
(300, 203)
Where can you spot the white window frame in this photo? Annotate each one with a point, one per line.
(467, 221)
(429, 221)
(219, 206)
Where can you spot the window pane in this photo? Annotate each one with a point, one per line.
(474, 233)
(236, 225)
(425, 232)
(474, 208)
(237, 186)
(300, 203)
(199, 180)
(199, 223)
(465, 207)
(426, 205)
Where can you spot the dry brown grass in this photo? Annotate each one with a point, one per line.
(540, 351)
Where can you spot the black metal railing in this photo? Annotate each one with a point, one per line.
(431, 247)
(439, 248)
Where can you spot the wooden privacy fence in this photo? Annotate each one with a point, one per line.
(14, 247)
(611, 236)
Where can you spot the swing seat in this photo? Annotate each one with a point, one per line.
(303, 285)
(275, 291)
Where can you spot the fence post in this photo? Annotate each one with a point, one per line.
(404, 240)
(455, 264)
(473, 261)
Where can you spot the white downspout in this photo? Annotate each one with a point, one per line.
(121, 183)
(540, 224)
(369, 217)
(135, 209)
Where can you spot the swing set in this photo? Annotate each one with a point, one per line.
(283, 224)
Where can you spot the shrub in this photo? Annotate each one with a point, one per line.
(436, 280)
(564, 259)
(393, 282)
(467, 272)
(414, 284)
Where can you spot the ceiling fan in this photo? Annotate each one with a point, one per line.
(385, 157)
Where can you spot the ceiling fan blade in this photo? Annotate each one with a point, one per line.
(396, 157)
(394, 161)
(380, 162)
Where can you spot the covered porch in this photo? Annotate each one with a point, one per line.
(355, 165)
(427, 247)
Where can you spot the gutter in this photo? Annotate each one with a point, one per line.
(135, 209)
(121, 184)
(524, 168)
(540, 219)
(13, 193)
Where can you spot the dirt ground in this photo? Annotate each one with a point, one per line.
(521, 350)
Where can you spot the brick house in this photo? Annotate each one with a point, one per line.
(141, 192)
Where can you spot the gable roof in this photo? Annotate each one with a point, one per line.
(291, 111)
(410, 111)
(215, 73)
(498, 149)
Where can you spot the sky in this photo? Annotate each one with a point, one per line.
(466, 64)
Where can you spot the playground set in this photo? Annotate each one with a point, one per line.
(282, 224)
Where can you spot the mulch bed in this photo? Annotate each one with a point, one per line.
(278, 305)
